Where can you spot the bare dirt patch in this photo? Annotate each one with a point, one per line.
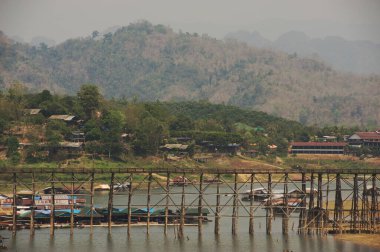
(370, 240)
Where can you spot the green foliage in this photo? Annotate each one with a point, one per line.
(12, 145)
(89, 98)
(3, 125)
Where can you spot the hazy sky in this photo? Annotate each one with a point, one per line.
(62, 19)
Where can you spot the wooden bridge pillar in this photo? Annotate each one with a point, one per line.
(251, 209)
(182, 216)
(92, 203)
(148, 202)
(130, 191)
(269, 212)
(167, 203)
(373, 204)
(14, 206)
(285, 214)
(200, 198)
(310, 215)
(354, 206)
(110, 203)
(321, 212)
(338, 209)
(217, 210)
(72, 205)
(32, 214)
(301, 223)
(234, 207)
(52, 206)
(364, 213)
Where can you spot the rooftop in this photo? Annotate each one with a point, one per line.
(318, 144)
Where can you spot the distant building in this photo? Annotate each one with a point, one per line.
(318, 147)
(366, 139)
(66, 118)
(32, 111)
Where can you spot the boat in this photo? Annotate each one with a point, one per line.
(261, 194)
(102, 187)
(179, 181)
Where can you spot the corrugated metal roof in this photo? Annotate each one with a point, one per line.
(175, 146)
(368, 135)
(62, 117)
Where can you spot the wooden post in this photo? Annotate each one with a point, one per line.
(234, 208)
(251, 198)
(320, 217)
(364, 216)
(354, 209)
(200, 198)
(310, 217)
(285, 217)
(52, 206)
(373, 204)
(327, 191)
(110, 203)
(338, 215)
(14, 206)
(72, 206)
(301, 224)
(148, 203)
(92, 203)
(269, 212)
(167, 203)
(33, 206)
(129, 203)
(217, 210)
(182, 216)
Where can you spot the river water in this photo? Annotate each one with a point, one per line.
(157, 241)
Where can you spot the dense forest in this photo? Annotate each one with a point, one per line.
(152, 62)
(30, 130)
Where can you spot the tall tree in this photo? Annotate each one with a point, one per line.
(90, 99)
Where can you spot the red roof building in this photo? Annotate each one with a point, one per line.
(369, 139)
(318, 148)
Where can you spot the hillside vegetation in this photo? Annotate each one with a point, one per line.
(152, 62)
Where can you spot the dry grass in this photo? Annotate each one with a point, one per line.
(326, 157)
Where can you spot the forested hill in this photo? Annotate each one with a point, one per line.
(152, 62)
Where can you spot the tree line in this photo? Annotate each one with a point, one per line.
(121, 128)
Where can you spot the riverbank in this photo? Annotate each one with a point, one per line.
(370, 240)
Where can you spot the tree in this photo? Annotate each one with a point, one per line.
(12, 144)
(111, 125)
(94, 34)
(182, 123)
(149, 136)
(3, 125)
(90, 99)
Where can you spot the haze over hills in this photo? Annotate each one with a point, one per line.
(361, 57)
(153, 62)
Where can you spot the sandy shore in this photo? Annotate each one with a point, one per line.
(370, 240)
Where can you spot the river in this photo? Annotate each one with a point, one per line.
(157, 241)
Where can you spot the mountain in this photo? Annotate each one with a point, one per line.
(153, 62)
(360, 57)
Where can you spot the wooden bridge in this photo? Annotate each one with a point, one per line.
(338, 201)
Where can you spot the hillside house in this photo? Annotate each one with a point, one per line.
(65, 118)
(176, 149)
(32, 111)
(318, 148)
(230, 148)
